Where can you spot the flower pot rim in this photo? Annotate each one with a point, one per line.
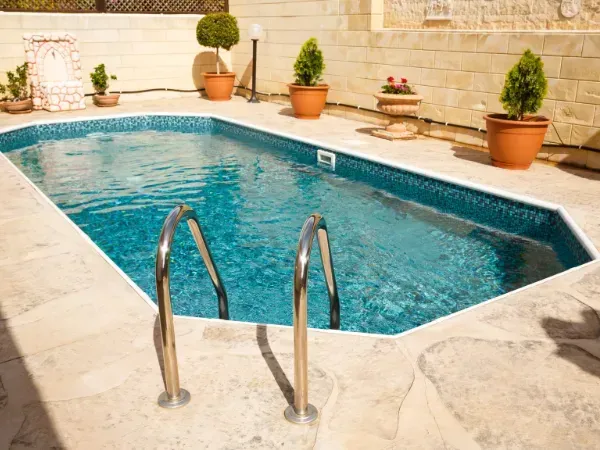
(107, 95)
(18, 102)
(319, 87)
(503, 119)
(380, 94)
(215, 74)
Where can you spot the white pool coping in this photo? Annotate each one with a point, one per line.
(575, 229)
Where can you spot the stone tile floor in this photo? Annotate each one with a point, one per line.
(78, 346)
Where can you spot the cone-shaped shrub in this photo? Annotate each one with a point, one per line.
(218, 30)
(309, 65)
(525, 87)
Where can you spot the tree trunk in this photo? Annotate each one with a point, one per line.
(218, 71)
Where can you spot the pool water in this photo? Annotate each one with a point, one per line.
(398, 264)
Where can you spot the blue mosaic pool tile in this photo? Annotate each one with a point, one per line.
(506, 215)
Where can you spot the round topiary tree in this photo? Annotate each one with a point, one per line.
(218, 30)
(309, 65)
(525, 87)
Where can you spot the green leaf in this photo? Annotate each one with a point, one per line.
(309, 65)
(525, 87)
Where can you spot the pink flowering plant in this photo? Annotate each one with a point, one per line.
(397, 87)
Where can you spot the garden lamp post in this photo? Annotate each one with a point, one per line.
(254, 32)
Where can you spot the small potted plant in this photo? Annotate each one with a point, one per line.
(514, 139)
(100, 80)
(218, 30)
(308, 97)
(18, 101)
(397, 98)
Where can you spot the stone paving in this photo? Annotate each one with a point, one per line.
(79, 364)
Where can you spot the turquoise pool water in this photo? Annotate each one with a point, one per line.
(399, 264)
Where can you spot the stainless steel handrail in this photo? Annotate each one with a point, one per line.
(174, 396)
(301, 411)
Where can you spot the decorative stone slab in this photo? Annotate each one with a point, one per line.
(50, 94)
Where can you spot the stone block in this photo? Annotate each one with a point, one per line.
(472, 100)
(411, 40)
(571, 156)
(588, 92)
(384, 39)
(435, 112)
(563, 44)
(435, 41)
(422, 58)
(488, 82)
(433, 77)
(552, 65)
(447, 60)
(591, 46)
(502, 63)
(391, 56)
(492, 43)
(581, 69)
(476, 62)
(562, 89)
(493, 104)
(574, 113)
(446, 97)
(593, 160)
(585, 136)
(471, 137)
(459, 42)
(559, 133)
(442, 132)
(597, 116)
(457, 116)
(459, 80)
(518, 43)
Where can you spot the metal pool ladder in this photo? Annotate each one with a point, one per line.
(174, 396)
(301, 411)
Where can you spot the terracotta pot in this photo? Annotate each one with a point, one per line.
(514, 144)
(106, 100)
(398, 105)
(20, 107)
(219, 86)
(308, 101)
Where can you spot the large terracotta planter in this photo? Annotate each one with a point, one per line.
(219, 86)
(20, 107)
(106, 100)
(514, 144)
(398, 105)
(308, 101)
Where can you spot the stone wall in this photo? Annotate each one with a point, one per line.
(496, 15)
(145, 51)
(460, 74)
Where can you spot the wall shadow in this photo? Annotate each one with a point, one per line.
(205, 61)
(262, 339)
(588, 174)
(588, 328)
(20, 395)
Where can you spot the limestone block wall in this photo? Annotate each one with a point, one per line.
(145, 51)
(460, 74)
(497, 15)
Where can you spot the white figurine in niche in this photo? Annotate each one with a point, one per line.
(570, 8)
(439, 10)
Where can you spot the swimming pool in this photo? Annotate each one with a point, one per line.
(407, 248)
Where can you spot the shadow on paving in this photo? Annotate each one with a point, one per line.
(588, 328)
(24, 420)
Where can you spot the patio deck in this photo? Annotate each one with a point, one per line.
(78, 345)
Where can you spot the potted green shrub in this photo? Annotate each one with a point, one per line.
(101, 80)
(218, 30)
(307, 95)
(515, 138)
(18, 98)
